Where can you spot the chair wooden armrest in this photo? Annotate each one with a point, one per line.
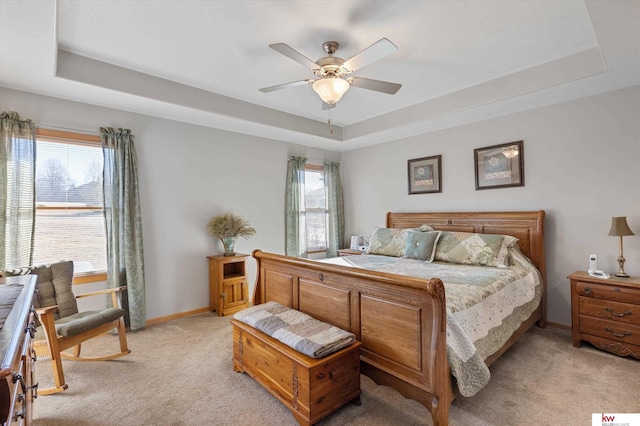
(45, 311)
(113, 291)
(105, 291)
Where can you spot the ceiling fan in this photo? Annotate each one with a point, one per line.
(332, 79)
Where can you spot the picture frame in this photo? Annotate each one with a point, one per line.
(425, 175)
(499, 166)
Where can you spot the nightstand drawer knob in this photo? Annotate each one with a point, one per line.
(625, 334)
(587, 290)
(617, 314)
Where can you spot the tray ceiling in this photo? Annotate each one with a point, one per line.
(203, 62)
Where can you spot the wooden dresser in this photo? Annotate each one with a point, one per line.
(606, 313)
(17, 385)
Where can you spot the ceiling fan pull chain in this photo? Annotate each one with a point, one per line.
(329, 122)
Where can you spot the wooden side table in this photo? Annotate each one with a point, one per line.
(349, 252)
(228, 284)
(606, 313)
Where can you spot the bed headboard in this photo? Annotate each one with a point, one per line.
(527, 227)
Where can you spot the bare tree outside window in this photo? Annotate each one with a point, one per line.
(52, 180)
(93, 172)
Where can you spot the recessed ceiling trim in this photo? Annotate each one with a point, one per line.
(570, 68)
(86, 70)
(264, 121)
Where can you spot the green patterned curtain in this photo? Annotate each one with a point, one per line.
(125, 259)
(17, 190)
(295, 220)
(335, 208)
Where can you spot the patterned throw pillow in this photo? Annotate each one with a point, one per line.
(421, 245)
(475, 249)
(16, 272)
(388, 242)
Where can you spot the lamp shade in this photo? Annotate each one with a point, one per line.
(619, 227)
(331, 89)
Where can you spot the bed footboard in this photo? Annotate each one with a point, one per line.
(401, 321)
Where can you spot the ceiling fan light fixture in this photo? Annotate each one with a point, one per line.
(331, 89)
(511, 152)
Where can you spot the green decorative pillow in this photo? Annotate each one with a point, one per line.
(421, 245)
(388, 242)
(425, 228)
(475, 249)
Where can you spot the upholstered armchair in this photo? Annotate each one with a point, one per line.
(62, 326)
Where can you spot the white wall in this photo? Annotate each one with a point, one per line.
(187, 174)
(582, 166)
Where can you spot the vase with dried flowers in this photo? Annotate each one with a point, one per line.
(228, 227)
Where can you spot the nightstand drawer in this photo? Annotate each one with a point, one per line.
(609, 292)
(614, 311)
(613, 330)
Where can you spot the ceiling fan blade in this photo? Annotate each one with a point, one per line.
(376, 51)
(377, 85)
(291, 53)
(286, 85)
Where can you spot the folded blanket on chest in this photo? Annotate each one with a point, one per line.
(296, 329)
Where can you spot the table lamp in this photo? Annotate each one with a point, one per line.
(619, 228)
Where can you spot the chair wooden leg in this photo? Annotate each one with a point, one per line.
(76, 350)
(54, 352)
(58, 377)
(122, 335)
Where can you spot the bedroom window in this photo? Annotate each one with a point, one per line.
(315, 201)
(69, 203)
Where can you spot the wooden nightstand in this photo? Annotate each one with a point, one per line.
(349, 252)
(606, 313)
(228, 284)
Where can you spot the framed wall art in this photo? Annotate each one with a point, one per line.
(425, 175)
(499, 166)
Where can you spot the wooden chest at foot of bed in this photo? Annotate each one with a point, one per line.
(311, 388)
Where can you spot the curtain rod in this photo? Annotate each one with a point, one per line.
(68, 129)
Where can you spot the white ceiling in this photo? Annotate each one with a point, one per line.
(203, 62)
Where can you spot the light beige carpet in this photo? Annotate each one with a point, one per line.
(180, 373)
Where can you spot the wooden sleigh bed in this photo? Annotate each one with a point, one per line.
(400, 320)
